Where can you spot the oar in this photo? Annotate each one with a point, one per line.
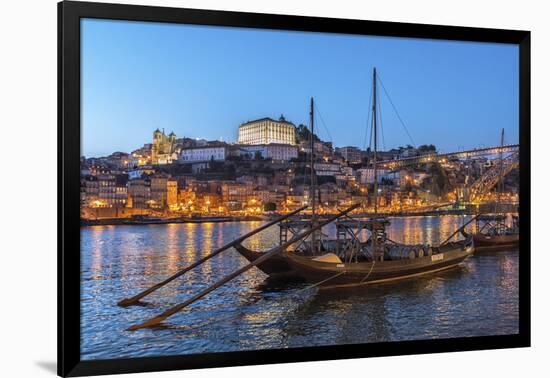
(267, 255)
(458, 230)
(133, 300)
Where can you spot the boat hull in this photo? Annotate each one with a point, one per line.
(484, 242)
(275, 265)
(337, 275)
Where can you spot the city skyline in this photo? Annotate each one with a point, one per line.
(137, 77)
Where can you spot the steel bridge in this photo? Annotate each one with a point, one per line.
(442, 157)
(491, 178)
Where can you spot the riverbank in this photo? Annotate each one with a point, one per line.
(149, 221)
(251, 218)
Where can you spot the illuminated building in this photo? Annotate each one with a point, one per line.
(163, 149)
(106, 190)
(171, 193)
(235, 195)
(141, 156)
(266, 131)
(139, 192)
(159, 191)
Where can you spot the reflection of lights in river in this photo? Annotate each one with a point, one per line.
(173, 252)
(190, 230)
(97, 243)
(477, 300)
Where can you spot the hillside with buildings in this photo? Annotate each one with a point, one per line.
(267, 170)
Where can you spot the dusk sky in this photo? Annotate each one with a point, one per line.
(202, 82)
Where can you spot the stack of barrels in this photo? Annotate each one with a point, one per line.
(407, 252)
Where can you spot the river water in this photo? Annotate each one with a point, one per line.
(478, 298)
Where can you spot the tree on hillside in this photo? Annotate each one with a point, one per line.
(303, 134)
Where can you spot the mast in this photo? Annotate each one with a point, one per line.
(374, 235)
(312, 177)
(500, 185)
(312, 160)
(375, 140)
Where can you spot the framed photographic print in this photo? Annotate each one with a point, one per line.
(239, 188)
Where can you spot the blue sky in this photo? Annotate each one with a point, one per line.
(202, 82)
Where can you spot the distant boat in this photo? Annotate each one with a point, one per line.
(493, 234)
(148, 219)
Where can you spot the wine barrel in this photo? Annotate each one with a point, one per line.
(401, 252)
(428, 251)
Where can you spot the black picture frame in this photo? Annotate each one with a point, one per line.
(69, 15)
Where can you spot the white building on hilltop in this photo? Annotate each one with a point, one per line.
(267, 131)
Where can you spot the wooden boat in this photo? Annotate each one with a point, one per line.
(278, 265)
(336, 273)
(275, 265)
(493, 234)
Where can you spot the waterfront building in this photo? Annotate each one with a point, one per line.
(121, 191)
(139, 192)
(163, 149)
(267, 131)
(235, 195)
(159, 191)
(171, 193)
(105, 190)
(90, 191)
(264, 196)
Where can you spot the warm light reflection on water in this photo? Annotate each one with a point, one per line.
(479, 298)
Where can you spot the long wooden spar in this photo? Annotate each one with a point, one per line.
(135, 299)
(267, 255)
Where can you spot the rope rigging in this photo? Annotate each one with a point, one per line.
(379, 113)
(323, 122)
(396, 112)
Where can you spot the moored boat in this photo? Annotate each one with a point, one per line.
(493, 234)
(331, 271)
(275, 265)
